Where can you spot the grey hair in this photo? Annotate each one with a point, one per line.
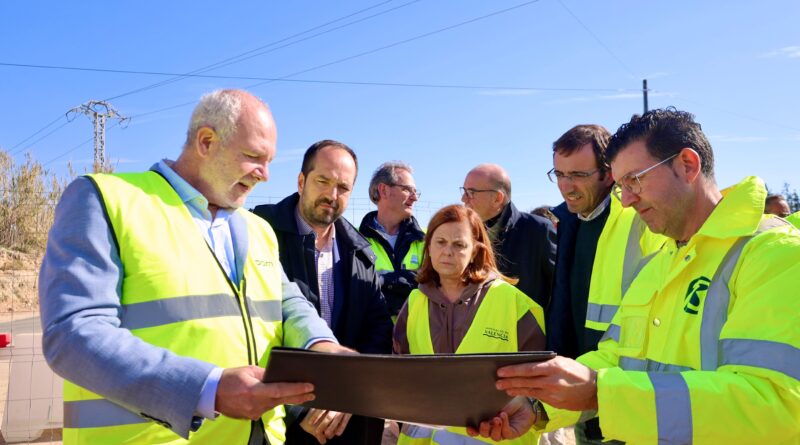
(386, 174)
(218, 110)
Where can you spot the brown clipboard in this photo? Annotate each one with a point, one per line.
(441, 389)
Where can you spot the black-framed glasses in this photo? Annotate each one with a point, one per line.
(470, 192)
(408, 189)
(554, 175)
(632, 182)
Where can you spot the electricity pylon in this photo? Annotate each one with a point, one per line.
(99, 111)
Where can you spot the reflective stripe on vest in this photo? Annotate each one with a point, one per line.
(780, 357)
(610, 279)
(636, 364)
(496, 314)
(601, 313)
(411, 261)
(673, 408)
(161, 312)
(175, 296)
(673, 401)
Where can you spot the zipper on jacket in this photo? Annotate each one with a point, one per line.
(242, 309)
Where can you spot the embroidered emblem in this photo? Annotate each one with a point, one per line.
(695, 295)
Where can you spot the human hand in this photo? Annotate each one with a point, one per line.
(324, 424)
(242, 395)
(560, 382)
(514, 420)
(331, 347)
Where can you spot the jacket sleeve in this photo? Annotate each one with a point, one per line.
(79, 293)
(547, 248)
(376, 335)
(755, 390)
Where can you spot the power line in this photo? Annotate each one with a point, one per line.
(234, 59)
(264, 49)
(597, 39)
(37, 132)
(411, 39)
(321, 81)
(372, 51)
(13, 153)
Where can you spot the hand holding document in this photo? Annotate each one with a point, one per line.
(442, 389)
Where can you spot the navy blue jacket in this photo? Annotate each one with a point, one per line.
(360, 319)
(525, 248)
(561, 332)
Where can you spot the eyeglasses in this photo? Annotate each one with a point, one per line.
(471, 192)
(632, 182)
(554, 175)
(408, 189)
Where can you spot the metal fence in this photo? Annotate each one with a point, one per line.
(31, 405)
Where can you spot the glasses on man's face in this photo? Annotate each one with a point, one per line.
(555, 176)
(408, 189)
(470, 192)
(632, 182)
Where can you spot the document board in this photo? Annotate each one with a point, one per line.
(442, 389)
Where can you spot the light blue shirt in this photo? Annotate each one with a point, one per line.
(80, 287)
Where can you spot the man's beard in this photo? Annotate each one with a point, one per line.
(316, 216)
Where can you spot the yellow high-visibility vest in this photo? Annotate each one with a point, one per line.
(794, 219)
(176, 296)
(500, 311)
(705, 347)
(624, 247)
(412, 260)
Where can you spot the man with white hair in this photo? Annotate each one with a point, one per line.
(160, 297)
(394, 233)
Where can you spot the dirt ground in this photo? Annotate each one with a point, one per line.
(18, 281)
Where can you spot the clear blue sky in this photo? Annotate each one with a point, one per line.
(733, 64)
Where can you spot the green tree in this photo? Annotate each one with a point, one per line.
(791, 197)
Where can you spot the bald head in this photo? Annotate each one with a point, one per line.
(487, 190)
(497, 176)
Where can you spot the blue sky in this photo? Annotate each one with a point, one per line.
(545, 65)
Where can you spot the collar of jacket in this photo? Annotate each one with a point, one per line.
(282, 217)
(508, 218)
(739, 212)
(409, 227)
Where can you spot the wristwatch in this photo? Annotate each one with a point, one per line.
(541, 418)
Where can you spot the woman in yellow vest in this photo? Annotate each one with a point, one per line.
(464, 305)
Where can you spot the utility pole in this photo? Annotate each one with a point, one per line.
(99, 111)
(644, 92)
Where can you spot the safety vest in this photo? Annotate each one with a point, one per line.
(794, 219)
(705, 347)
(176, 296)
(412, 260)
(624, 247)
(493, 315)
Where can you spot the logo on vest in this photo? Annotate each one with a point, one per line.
(500, 334)
(414, 259)
(263, 263)
(695, 294)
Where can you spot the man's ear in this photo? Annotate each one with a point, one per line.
(689, 164)
(383, 190)
(204, 140)
(301, 182)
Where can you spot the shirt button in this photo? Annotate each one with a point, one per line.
(656, 322)
(688, 257)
